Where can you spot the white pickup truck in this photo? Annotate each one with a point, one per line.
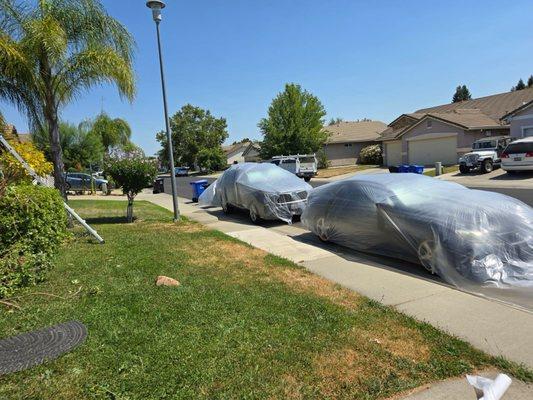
(302, 165)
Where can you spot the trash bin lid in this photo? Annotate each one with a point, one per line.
(199, 182)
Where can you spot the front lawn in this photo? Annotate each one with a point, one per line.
(336, 171)
(445, 170)
(244, 324)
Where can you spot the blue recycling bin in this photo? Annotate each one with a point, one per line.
(416, 169)
(403, 168)
(198, 188)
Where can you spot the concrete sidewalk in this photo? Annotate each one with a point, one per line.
(494, 327)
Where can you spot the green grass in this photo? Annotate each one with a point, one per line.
(445, 170)
(244, 324)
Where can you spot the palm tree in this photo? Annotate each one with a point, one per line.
(112, 132)
(52, 51)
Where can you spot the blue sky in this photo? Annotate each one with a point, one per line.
(373, 59)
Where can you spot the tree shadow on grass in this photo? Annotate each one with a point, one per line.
(109, 220)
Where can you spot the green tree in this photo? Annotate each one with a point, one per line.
(520, 85)
(530, 82)
(193, 130)
(133, 174)
(212, 159)
(52, 51)
(294, 124)
(80, 146)
(245, 140)
(335, 121)
(113, 133)
(461, 94)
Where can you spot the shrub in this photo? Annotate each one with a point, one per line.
(33, 223)
(20, 266)
(132, 174)
(322, 159)
(371, 155)
(32, 213)
(14, 172)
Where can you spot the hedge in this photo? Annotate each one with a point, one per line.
(33, 224)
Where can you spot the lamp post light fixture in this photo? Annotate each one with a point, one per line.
(156, 6)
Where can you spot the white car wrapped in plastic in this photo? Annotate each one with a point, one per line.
(467, 237)
(266, 191)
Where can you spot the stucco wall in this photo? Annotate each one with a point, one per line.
(339, 154)
(464, 138)
(235, 156)
(520, 120)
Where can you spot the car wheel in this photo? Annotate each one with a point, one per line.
(486, 166)
(226, 208)
(254, 217)
(322, 231)
(68, 186)
(464, 169)
(425, 255)
(307, 179)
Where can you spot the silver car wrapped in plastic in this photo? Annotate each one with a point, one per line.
(266, 191)
(468, 237)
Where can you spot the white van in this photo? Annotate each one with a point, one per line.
(518, 156)
(303, 166)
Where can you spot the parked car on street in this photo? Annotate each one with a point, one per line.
(303, 166)
(181, 171)
(518, 156)
(77, 181)
(265, 191)
(465, 236)
(485, 155)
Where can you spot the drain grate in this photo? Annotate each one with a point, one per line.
(33, 348)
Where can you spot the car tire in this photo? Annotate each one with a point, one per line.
(254, 217)
(68, 186)
(425, 254)
(227, 208)
(463, 169)
(486, 166)
(307, 179)
(512, 172)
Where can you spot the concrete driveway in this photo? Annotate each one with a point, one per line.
(496, 179)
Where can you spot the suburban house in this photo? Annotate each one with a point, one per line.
(347, 138)
(443, 133)
(242, 152)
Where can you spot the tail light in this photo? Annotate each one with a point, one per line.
(529, 154)
(504, 155)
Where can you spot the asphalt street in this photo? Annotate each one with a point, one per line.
(525, 195)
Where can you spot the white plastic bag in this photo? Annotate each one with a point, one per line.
(488, 389)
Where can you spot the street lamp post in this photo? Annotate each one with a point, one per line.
(156, 6)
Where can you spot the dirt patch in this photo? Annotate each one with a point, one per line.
(240, 260)
(399, 340)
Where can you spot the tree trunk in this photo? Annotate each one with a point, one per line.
(57, 155)
(129, 212)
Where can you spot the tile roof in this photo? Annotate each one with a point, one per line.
(355, 131)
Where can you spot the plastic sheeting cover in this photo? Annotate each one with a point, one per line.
(268, 190)
(468, 237)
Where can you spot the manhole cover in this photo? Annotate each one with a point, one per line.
(33, 348)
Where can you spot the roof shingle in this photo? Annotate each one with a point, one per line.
(355, 131)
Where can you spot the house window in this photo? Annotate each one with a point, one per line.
(429, 124)
(347, 145)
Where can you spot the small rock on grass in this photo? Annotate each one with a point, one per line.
(166, 281)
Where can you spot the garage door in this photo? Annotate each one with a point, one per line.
(394, 153)
(429, 151)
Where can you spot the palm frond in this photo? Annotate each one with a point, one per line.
(95, 66)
